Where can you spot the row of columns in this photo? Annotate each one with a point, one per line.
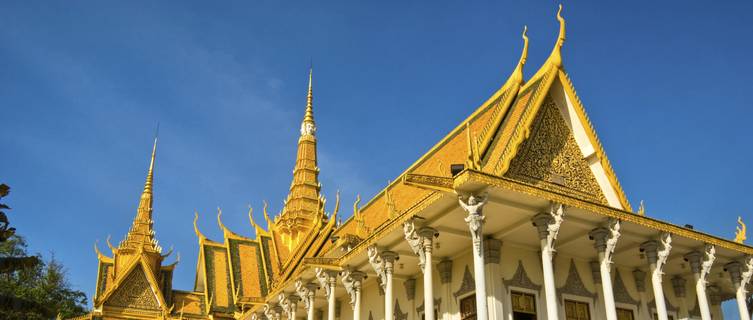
(420, 240)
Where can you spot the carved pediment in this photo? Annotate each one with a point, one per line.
(574, 284)
(134, 293)
(467, 285)
(551, 158)
(521, 280)
(621, 294)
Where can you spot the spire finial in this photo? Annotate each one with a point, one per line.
(308, 127)
(556, 57)
(517, 76)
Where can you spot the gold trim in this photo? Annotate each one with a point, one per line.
(469, 176)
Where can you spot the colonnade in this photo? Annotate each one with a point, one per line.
(421, 239)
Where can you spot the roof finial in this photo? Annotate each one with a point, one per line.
(740, 235)
(308, 127)
(556, 57)
(517, 76)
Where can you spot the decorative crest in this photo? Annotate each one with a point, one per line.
(641, 209)
(517, 75)
(740, 234)
(556, 56)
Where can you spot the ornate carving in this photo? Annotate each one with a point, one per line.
(740, 231)
(410, 288)
(574, 285)
(710, 257)
(467, 285)
(475, 219)
(326, 280)
(306, 292)
(663, 254)
(377, 263)
(614, 235)
(135, 293)
(398, 313)
(414, 241)
(678, 286)
(351, 280)
(551, 158)
(548, 225)
(621, 295)
(521, 280)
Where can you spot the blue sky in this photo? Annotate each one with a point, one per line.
(666, 84)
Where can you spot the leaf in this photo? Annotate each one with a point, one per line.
(4, 190)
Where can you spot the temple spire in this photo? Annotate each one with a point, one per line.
(556, 56)
(141, 234)
(301, 210)
(308, 127)
(145, 205)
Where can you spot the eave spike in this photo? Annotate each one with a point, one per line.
(556, 57)
(517, 76)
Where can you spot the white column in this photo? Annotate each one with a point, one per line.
(328, 280)
(495, 293)
(421, 241)
(605, 240)
(351, 280)
(640, 284)
(292, 305)
(428, 234)
(548, 225)
(656, 254)
(596, 275)
(715, 302)
(306, 291)
(740, 276)
(475, 219)
(383, 264)
(701, 266)
(445, 279)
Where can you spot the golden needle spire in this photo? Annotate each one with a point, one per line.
(308, 127)
(146, 196)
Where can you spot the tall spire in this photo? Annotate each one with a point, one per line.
(308, 127)
(301, 209)
(141, 234)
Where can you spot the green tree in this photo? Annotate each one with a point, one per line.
(31, 288)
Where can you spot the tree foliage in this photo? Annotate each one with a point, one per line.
(31, 288)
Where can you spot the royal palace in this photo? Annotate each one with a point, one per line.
(515, 214)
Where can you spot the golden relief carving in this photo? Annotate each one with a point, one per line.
(550, 157)
(135, 293)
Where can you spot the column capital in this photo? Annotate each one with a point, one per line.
(492, 250)
(381, 262)
(445, 271)
(351, 280)
(734, 269)
(694, 260)
(473, 205)
(548, 225)
(715, 296)
(420, 239)
(306, 291)
(657, 251)
(327, 279)
(678, 285)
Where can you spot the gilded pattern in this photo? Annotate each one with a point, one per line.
(135, 293)
(551, 158)
(520, 279)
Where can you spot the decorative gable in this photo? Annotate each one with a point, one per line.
(134, 292)
(550, 157)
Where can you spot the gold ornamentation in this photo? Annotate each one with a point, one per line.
(596, 208)
(135, 292)
(551, 158)
(473, 161)
(362, 231)
(641, 209)
(741, 231)
(391, 209)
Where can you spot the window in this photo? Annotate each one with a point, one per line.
(468, 308)
(523, 306)
(576, 310)
(624, 314)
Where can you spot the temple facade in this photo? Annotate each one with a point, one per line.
(515, 214)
